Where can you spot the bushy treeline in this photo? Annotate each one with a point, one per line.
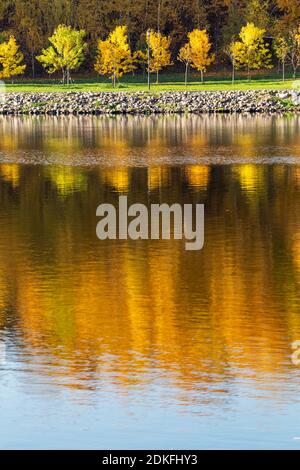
(32, 22)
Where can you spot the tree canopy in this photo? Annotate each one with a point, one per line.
(11, 59)
(114, 55)
(34, 21)
(66, 51)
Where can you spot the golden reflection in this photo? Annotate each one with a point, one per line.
(117, 178)
(67, 179)
(297, 176)
(158, 177)
(198, 176)
(8, 142)
(10, 172)
(147, 140)
(63, 144)
(296, 251)
(250, 177)
(128, 309)
(115, 143)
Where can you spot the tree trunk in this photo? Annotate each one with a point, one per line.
(158, 15)
(32, 65)
(149, 80)
(233, 75)
(148, 59)
(186, 74)
(202, 78)
(157, 76)
(283, 70)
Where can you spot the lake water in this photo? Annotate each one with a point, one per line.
(141, 344)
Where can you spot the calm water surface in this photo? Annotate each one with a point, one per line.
(123, 344)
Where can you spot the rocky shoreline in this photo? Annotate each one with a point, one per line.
(85, 103)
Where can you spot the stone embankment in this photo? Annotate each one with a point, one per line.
(81, 103)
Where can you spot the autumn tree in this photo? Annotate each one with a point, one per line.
(235, 19)
(251, 52)
(257, 12)
(31, 22)
(159, 46)
(140, 56)
(229, 50)
(28, 23)
(11, 59)
(200, 48)
(66, 52)
(114, 55)
(294, 52)
(282, 48)
(185, 56)
(289, 14)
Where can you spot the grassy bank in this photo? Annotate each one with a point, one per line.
(168, 82)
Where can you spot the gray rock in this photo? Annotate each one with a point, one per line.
(252, 101)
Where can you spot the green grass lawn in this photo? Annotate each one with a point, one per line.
(168, 82)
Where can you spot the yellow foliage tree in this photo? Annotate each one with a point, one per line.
(282, 47)
(229, 50)
(200, 47)
(11, 59)
(294, 52)
(65, 53)
(160, 56)
(185, 56)
(140, 58)
(251, 52)
(114, 55)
